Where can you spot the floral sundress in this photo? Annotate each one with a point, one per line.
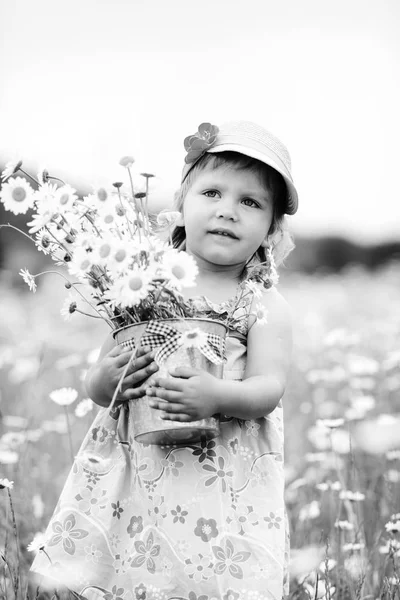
(205, 521)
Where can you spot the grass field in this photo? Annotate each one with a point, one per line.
(343, 477)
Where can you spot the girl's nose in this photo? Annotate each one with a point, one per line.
(226, 210)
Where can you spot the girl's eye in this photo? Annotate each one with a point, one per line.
(250, 202)
(211, 192)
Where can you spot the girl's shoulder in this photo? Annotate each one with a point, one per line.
(270, 307)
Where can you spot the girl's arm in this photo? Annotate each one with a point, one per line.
(269, 349)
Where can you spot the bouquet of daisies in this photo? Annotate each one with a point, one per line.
(115, 261)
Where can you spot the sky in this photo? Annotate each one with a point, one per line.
(85, 82)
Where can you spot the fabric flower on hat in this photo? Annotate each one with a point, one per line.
(196, 145)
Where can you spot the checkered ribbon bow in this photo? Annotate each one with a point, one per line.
(167, 339)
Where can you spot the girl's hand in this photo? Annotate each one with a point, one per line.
(189, 395)
(106, 374)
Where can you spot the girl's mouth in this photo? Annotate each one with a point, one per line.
(224, 233)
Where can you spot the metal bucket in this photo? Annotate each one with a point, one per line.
(147, 425)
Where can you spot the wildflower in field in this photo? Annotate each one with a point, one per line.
(392, 360)
(37, 506)
(393, 526)
(313, 457)
(355, 565)
(84, 407)
(6, 483)
(392, 476)
(327, 565)
(391, 546)
(304, 560)
(29, 279)
(64, 396)
(362, 365)
(335, 486)
(14, 421)
(8, 457)
(378, 436)
(24, 368)
(341, 337)
(331, 423)
(12, 439)
(17, 196)
(393, 455)
(318, 590)
(362, 383)
(353, 547)
(309, 511)
(38, 543)
(344, 525)
(352, 496)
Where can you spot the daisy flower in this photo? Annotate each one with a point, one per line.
(131, 288)
(81, 262)
(127, 161)
(330, 423)
(352, 496)
(43, 241)
(194, 338)
(11, 167)
(17, 196)
(8, 457)
(6, 483)
(180, 268)
(120, 257)
(38, 543)
(68, 308)
(84, 407)
(167, 218)
(251, 286)
(260, 314)
(64, 396)
(29, 279)
(65, 197)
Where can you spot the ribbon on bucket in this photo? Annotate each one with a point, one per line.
(168, 339)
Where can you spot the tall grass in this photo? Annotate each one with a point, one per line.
(342, 497)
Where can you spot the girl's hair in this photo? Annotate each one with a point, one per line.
(280, 240)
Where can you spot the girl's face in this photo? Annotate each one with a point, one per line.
(227, 214)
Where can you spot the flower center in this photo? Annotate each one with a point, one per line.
(102, 194)
(64, 199)
(19, 194)
(105, 250)
(206, 529)
(135, 283)
(178, 272)
(85, 264)
(120, 255)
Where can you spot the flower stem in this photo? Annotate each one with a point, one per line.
(69, 433)
(14, 522)
(30, 176)
(134, 200)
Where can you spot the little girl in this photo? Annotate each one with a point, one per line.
(204, 521)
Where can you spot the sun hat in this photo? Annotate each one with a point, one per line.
(246, 138)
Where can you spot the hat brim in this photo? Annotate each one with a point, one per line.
(269, 159)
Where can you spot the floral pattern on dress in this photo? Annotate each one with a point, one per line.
(205, 521)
